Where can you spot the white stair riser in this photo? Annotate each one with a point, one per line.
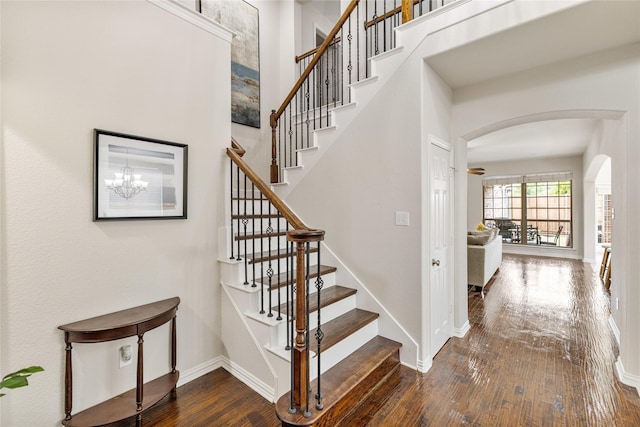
(344, 348)
(335, 354)
(279, 336)
(234, 273)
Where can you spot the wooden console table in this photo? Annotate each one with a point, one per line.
(113, 326)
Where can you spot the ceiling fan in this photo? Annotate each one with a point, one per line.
(475, 171)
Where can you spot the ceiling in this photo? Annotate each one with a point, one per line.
(581, 30)
(551, 138)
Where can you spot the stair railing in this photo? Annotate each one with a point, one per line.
(287, 268)
(326, 72)
(319, 87)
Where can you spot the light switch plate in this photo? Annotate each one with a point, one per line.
(402, 218)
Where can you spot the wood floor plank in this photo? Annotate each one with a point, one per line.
(540, 352)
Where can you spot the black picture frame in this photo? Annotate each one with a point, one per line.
(138, 178)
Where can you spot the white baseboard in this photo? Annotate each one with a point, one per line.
(626, 378)
(257, 385)
(198, 371)
(237, 371)
(424, 365)
(614, 329)
(461, 332)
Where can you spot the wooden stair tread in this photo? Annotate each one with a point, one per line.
(280, 280)
(364, 369)
(256, 215)
(341, 327)
(327, 297)
(264, 256)
(249, 236)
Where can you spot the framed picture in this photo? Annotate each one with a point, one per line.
(242, 19)
(138, 178)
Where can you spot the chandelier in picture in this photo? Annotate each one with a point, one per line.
(127, 183)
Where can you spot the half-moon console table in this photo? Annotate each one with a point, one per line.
(113, 326)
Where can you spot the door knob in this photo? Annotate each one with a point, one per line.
(435, 262)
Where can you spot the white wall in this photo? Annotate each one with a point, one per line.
(131, 67)
(277, 75)
(532, 166)
(604, 81)
(372, 170)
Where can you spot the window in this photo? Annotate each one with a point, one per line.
(530, 209)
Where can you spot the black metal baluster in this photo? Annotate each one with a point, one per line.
(327, 82)
(289, 290)
(238, 212)
(269, 266)
(253, 231)
(357, 46)
(315, 97)
(278, 262)
(262, 251)
(384, 27)
(319, 333)
(308, 100)
(245, 221)
(394, 24)
(291, 153)
(375, 28)
(307, 413)
(231, 205)
(297, 119)
(366, 41)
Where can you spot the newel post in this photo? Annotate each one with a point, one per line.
(273, 121)
(407, 11)
(301, 345)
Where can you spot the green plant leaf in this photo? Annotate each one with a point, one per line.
(19, 378)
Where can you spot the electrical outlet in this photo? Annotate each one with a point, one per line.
(125, 355)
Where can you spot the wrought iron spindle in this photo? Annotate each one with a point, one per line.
(253, 231)
(245, 221)
(269, 257)
(384, 26)
(261, 250)
(289, 292)
(278, 262)
(231, 206)
(307, 413)
(319, 334)
(238, 258)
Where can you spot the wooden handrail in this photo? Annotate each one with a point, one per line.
(275, 114)
(314, 50)
(321, 50)
(236, 154)
(389, 14)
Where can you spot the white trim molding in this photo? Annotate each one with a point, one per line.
(461, 332)
(626, 378)
(200, 370)
(195, 18)
(260, 387)
(424, 365)
(614, 329)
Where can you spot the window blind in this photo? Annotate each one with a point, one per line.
(537, 177)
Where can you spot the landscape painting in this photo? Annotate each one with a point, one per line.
(241, 18)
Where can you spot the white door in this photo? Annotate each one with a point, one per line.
(439, 244)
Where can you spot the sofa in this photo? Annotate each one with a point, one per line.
(484, 255)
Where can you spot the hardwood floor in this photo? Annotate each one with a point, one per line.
(539, 353)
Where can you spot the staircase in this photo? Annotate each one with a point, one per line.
(264, 281)
(313, 326)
